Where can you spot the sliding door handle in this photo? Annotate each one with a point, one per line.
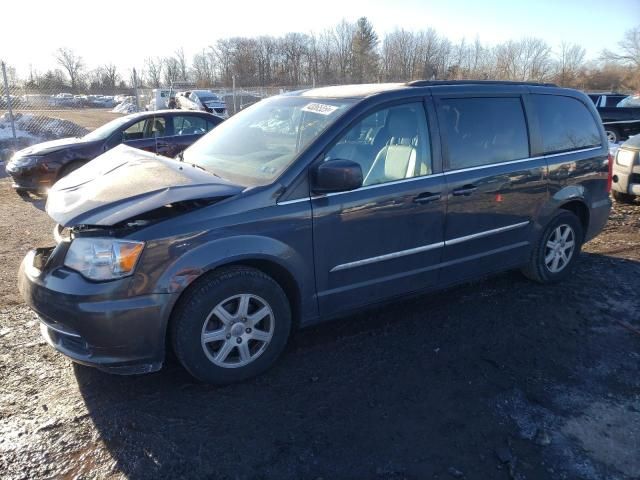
(466, 190)
(427, 197)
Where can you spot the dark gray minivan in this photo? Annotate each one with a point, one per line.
(308, 206)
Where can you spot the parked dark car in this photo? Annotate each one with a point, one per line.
(608, 99)
(622, 119)
(203, 100)
(167, 133)
(309, 206)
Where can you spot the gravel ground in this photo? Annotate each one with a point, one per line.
(498, 379)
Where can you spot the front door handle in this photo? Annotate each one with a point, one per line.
(427, 197)
(466, 190)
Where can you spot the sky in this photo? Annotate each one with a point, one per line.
(125, 32)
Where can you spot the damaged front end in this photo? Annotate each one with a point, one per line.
(87, 290)
(126, 183)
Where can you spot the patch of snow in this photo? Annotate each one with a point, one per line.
(126, 106)
(32, 129)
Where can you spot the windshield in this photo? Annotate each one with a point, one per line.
(103, 132)
(256, 145)
(630, 101)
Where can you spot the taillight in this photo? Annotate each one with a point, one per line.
(610, 174)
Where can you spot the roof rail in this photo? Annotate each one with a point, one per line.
(435, 83)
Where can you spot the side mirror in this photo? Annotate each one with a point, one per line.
(337, 176)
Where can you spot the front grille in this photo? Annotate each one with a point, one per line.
(219, 110)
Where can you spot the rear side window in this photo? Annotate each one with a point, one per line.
(566, 124)
(189, 125)
(482, 131)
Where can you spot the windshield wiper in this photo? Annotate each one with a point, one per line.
(205, 169)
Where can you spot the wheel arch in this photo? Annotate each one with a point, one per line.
(580, 210)
(571, 198)
(268, 255)
(280, 274)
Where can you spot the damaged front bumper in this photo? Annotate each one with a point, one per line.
(32, 178)
(95, 323)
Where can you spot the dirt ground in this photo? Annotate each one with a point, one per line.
(498, 379)
(90, 118)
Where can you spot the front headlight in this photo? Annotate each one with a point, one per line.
(23, 162)
(103, 258)
(625, 157)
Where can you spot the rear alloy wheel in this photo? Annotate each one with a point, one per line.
(559, 248)
(612, 135)
(231, 325)
(556, 250)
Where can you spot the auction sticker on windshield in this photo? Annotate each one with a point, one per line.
(321, 108)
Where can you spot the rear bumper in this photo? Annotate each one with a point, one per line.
(88, 323)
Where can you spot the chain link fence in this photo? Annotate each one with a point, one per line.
(47, 109)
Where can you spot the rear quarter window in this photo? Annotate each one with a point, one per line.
(565, 123)
(483, 131)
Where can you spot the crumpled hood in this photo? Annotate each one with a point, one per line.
(125, 182)
(48, 147)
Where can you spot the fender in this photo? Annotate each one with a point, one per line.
(568, 193)
(204, 255)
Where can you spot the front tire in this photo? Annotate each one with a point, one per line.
(622, 197)
(557, 250)
(231, 325)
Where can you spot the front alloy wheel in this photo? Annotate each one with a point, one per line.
(237, 331)
(230, 325)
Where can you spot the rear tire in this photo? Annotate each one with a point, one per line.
(231, 325)
(556, 251)
(623, 197)
(613, 135)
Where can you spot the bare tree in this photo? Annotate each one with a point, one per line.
(570, 63)
(182, 64)
(629, 49)
(154, 71)
(223, 53)
(171, 70)
(110, 76)
(343, 42)
(203, 69)
(294, 49)
(72, 63)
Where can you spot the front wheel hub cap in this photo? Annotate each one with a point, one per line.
(237, 330)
